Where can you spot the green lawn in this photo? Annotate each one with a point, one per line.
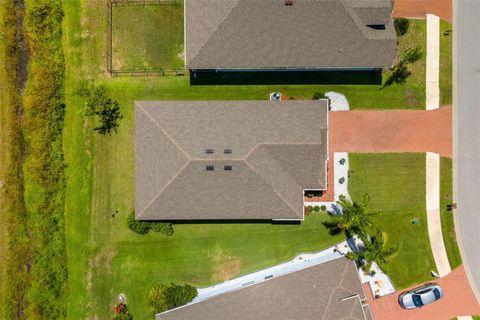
(147, 37)
(413, 91)
(445, 63)
(396, 185)
(105, 258)
(448, 228)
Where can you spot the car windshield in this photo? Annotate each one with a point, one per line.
(417, 301)
(436, 293)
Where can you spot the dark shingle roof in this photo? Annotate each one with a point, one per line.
(235, 34)
(316, 292)
(278, 149)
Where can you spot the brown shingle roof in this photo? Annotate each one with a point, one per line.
(316, 292)
(278, 149)
(252, 34)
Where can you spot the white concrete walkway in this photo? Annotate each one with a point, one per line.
(340, 173)
(433, 214)
(433, 62)
(464, 318)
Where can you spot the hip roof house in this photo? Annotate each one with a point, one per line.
(288, 34)
(228, 160)
(330, 290)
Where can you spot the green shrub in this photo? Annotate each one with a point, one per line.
(138, 226)
(318, 96)
(401, 26)
(323, 208)
(162, 298)
(177, 295)
(163, 228)
(143, 227)
(316, 208)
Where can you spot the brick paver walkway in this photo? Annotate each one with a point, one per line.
(419, 8)
(459, 300)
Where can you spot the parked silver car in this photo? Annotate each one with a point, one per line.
(418, 297)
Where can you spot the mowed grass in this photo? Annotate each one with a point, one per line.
(396, 186)
(201, 254)
(147, 37)
(448, 227)
(104, 257)
(446, 35)
(413, 91)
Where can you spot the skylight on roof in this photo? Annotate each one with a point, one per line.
(227, 151)
(227, 168)
(209, 151)
(210, 168)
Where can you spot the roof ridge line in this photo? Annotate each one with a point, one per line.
(358, 22)
(274, 190)
(216, 29)
(285, 171)
(164, 188)
(345, 269)
(163, 131)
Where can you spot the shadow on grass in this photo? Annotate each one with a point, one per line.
(212, 77)
(235, 221)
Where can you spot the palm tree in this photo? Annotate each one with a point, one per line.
(354, 218)
(375, 250)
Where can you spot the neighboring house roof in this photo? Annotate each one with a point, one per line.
(325, 291)
(252, 34)
(278, 149)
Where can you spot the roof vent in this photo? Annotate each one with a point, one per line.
(288, 2)
(210, 168)
(227, 151)
(209, 151)
(227, 168)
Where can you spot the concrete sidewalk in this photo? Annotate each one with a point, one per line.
(433, 62)
(433, 214)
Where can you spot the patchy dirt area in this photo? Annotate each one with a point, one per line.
(225, 267)
(419, 8)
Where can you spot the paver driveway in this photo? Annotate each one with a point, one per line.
(392, 131)
(388, 131)
(458, 300)
(419, 8)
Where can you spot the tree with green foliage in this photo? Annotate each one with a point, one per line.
(401, 26)
(162, 298)
(144, 227)
(375, 250)
(354, 219)
(106, 109)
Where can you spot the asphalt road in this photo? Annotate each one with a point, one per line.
(466, 140)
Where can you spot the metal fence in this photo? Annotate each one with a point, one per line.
(111, 4)
(148, 72)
